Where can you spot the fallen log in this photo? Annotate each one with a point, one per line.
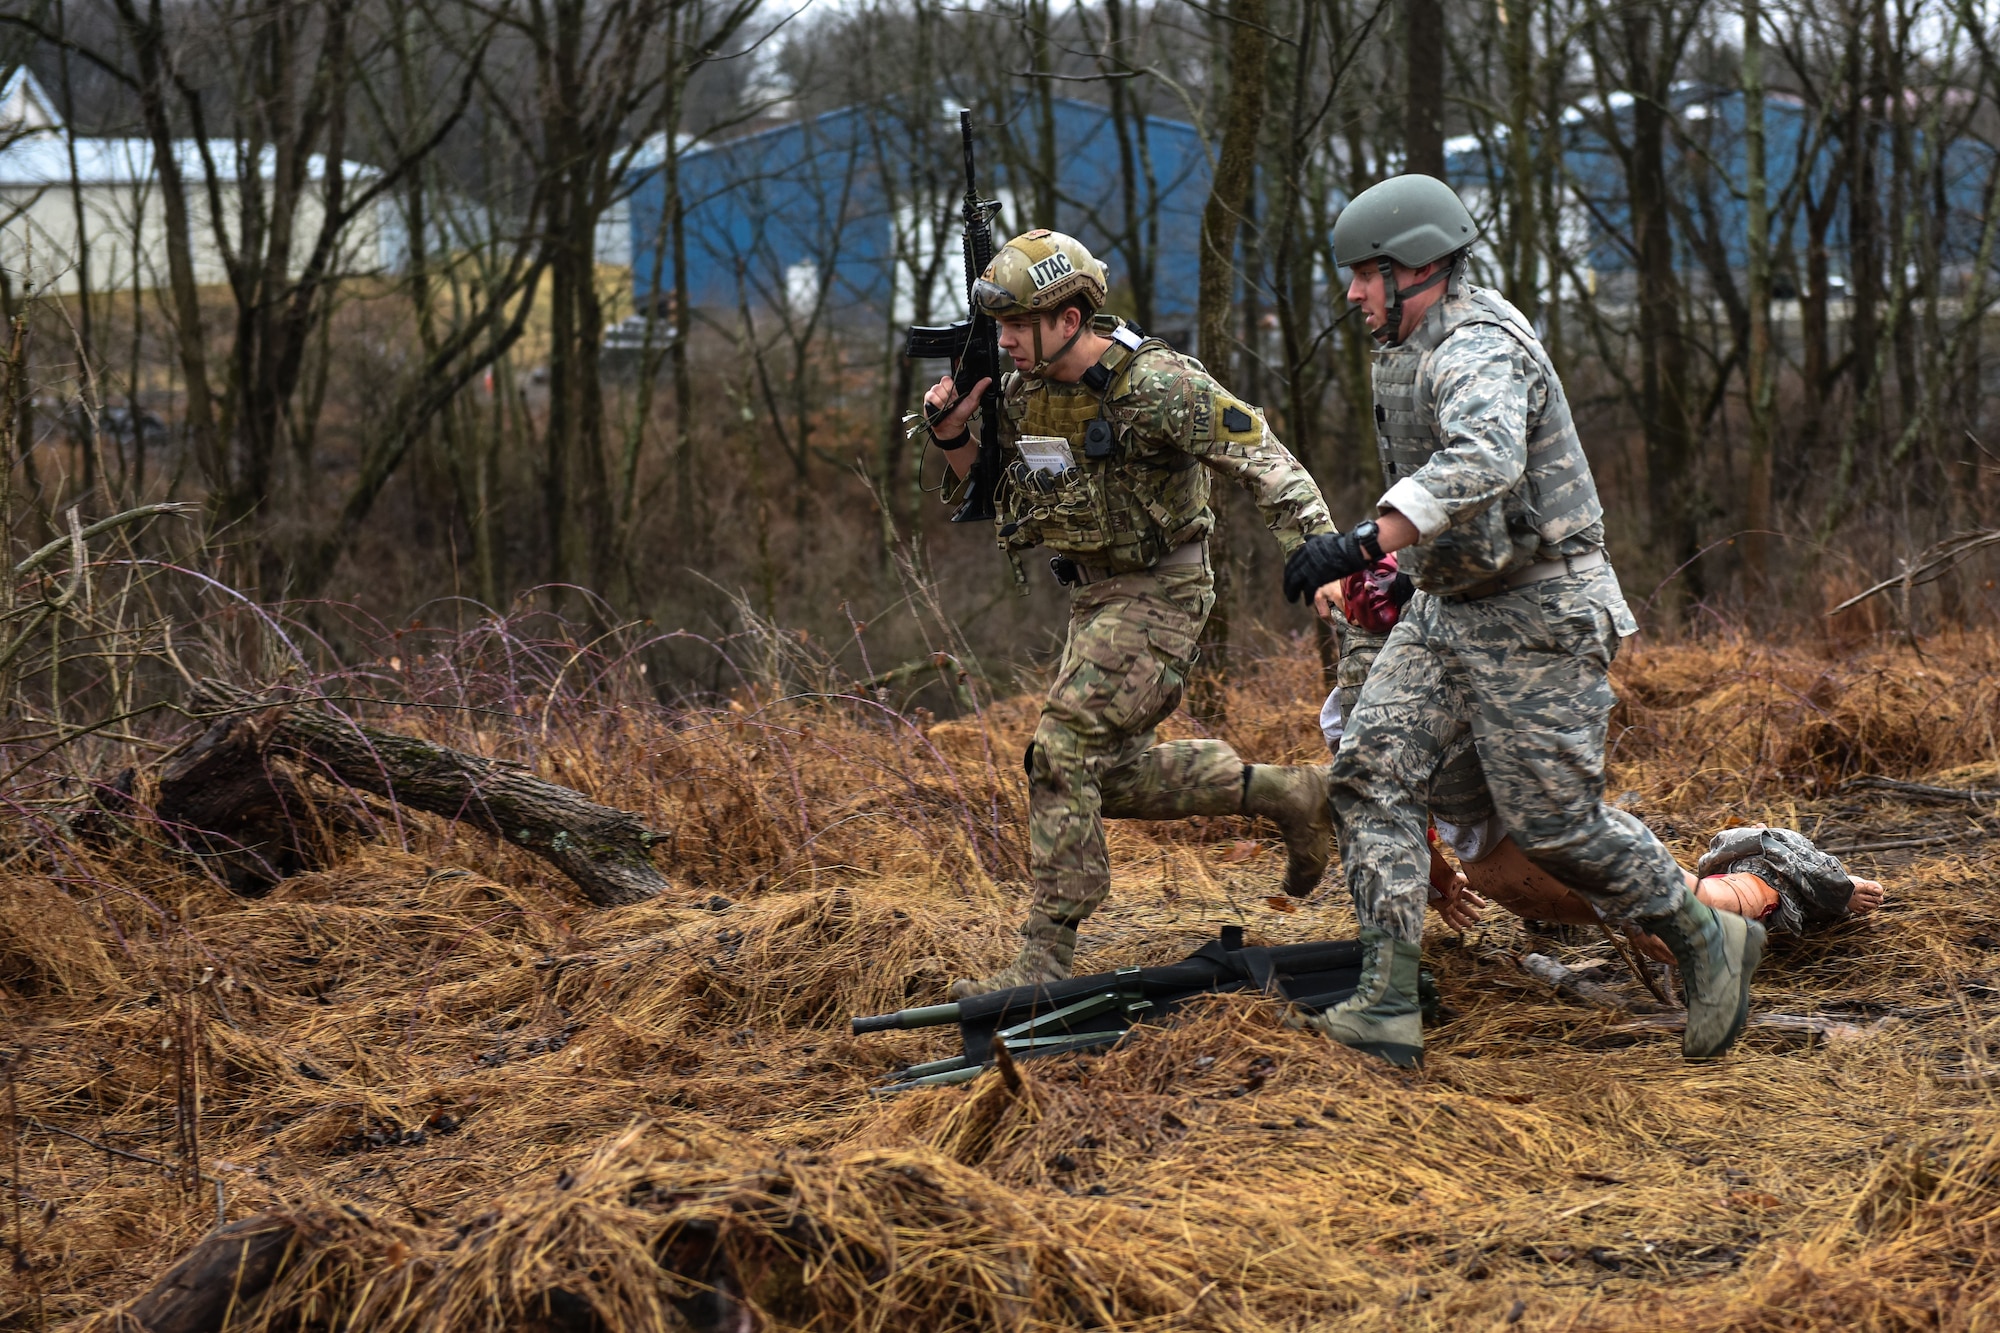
(244, 811)
(220, 1281)
(243, 765)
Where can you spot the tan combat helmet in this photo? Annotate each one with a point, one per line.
(1035, 273)
(1039, 270)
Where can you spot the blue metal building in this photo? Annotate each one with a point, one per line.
(1706, 171)
(847, 211)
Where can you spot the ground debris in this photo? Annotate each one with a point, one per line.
(677, 1133)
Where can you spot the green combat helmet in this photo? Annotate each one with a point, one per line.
(1411, 220)
(1035, 273)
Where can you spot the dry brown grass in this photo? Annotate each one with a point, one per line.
(540, 1115)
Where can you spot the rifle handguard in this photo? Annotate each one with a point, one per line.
(936, 342)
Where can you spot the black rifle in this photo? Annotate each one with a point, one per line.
(972, 346)
(1090, 1013)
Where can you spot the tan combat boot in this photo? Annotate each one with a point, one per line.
(1047, 949)
(1717, 953)
(1383, 1016)
(1294, 797)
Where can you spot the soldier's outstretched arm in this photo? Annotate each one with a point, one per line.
(1233, 438)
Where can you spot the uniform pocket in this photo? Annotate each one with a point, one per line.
(1072, 514)
(1578, 622)
(1142, 668)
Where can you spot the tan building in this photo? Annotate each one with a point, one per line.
(65, 197)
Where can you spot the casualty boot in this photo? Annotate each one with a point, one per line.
(1383, 1016)
(1717, 952)
(1047, 948)
(1295, 798)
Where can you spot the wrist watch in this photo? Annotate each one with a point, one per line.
(1367, 536)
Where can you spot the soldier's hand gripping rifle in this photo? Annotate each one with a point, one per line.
(972, 346)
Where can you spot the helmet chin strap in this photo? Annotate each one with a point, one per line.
(1044, 363)
(1391, 332)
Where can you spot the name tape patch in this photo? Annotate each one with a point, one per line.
(1051, 270)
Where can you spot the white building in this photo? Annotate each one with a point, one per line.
(61, 193)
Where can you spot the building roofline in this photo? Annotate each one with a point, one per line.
(790, 126)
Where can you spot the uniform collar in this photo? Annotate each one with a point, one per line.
(1438, 320)
(1101, 374)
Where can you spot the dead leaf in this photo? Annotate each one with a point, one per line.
(1754, 1199)
(1282, 904)
(1241, 850)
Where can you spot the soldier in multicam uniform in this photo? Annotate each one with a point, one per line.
(1509, 640)
(1127, 523)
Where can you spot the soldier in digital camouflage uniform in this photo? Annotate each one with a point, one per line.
(1145, 427)
(1509, 640)
(1774, 876)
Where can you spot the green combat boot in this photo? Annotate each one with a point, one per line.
(1717, 952)
(1294, 797)
(1383, 1016)
(1047, 949)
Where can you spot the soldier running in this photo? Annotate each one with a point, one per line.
(1509, 640)
(1774, 876)
(1128, 524)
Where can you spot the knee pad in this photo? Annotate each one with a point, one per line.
(1028, 761)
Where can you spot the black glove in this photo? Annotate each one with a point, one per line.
(1330, 556)
(1401, 590)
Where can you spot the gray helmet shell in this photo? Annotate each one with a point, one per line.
(1411, 219)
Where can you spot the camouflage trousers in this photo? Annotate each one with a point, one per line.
(1456, 791)
(1504, 700)
(1131, 642)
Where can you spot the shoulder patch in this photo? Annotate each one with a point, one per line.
(1235, 422)
(1200, 421)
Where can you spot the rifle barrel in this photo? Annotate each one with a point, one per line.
(930, 1016)
(965, 133)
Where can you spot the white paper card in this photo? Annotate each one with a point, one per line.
(1046, 453)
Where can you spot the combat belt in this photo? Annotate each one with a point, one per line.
(1091, 1013)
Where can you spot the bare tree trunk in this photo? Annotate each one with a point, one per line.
(693, 526)
(1044, 174)
(1815, 324)
(1520, 266)
(1758, 368)
(147, 36)
(1424, 56)
(1131, 217)
(1864, 266)
(1650, 55)
(1228, 200)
